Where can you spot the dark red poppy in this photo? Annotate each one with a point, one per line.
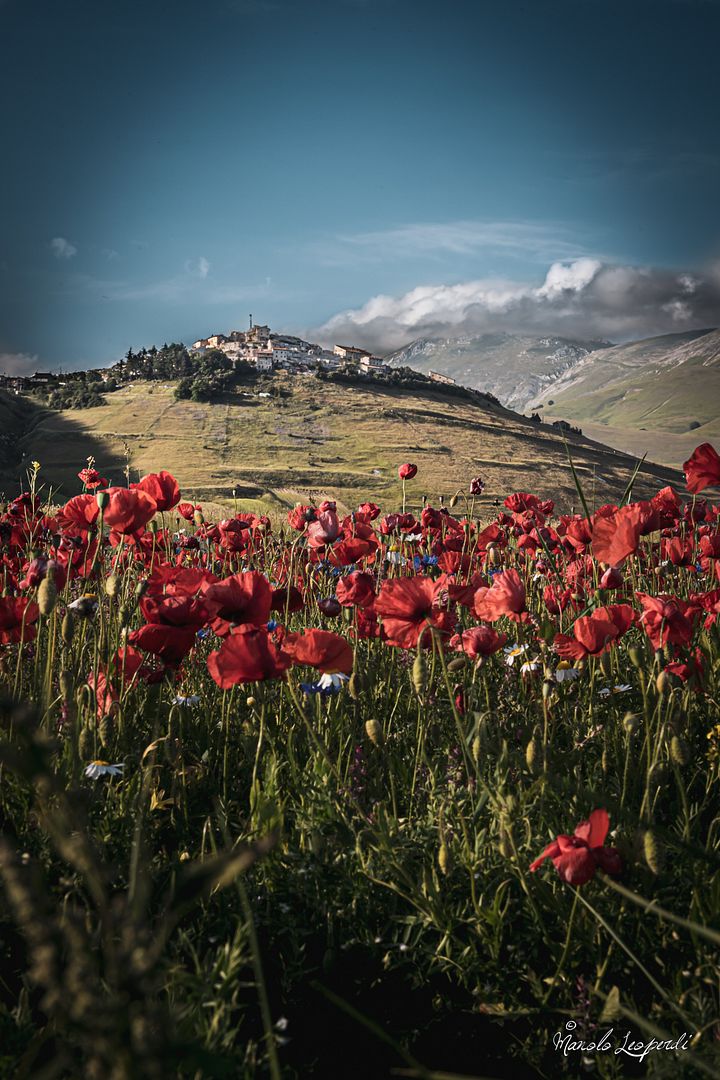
(407, 471)
(17, 615)
(92, 479)
(577, 857)
(170, 643)
(128, 510)
(407, 606)
(320, 649)
(300, 516)
(355, 590)
(241, 598)
(478, 641)
(287, 599)
(248, 655)
(702, 469)
(162, 487)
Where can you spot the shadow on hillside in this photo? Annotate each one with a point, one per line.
(32, 432)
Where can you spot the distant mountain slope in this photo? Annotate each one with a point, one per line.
(664, 384)
(513, 367)
(296, 438)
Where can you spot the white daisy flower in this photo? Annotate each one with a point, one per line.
(606, 691)
(103, 768)
(512, 652)
(530, 665)
(86, 605)
(334, 681)
(565, 673)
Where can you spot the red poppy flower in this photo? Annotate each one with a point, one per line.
(324, 529)
(300, 516)
(170, 643)
(617, 535)
(287, 599)
(248, 655)
(355, 590)
(667, 619)
(175, 610)
(368, 511)
(241, 598)
(81, 512)
(320, 649)
(596, 632)
(162, 487)
(506, 596)
(92, 479)
(17, 615)
(187, 510)
(407, 606)
(702, 469)
(407, 471)
(478, 641)
(128, 510)
(577, 857)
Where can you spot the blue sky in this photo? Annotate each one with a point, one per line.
(171, 167)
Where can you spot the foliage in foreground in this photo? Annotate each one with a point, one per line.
(276, 785)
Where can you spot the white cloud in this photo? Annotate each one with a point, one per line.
(62, 248)
(18, 363)
(198, 267)
(584, 297)
(527, 240)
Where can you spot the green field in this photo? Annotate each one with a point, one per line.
(296, 438)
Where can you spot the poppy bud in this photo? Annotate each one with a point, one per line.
(105, 730)
(112, 585)
(533, 753)
(657, 776)
(455, 499)
(605, 662)
(66, 684)
(476, 749)
(85, 743)
(654, 851)
(636, 656)
(153, 526)
(662, 682)
(457, 664)
(444, 859)
(47, 594)
(199, 517)
(250, 702)
(67, 628)
(604, 762)
(631, 722)
(354, 687)
(102, 498)
(419, 675)
(679, 751)
(374, 732)
(547, 688)
(124, 614)
(505, 846)
(493, 555)
(141, 589)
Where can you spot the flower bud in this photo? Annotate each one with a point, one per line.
(47, 594)
(102, 498)
(67, 628)
(374, 732)
(444, 858)
(419, 675)
(679, 751)
(112, 585)
(457, 664)
(631, 722)
(662, 682)
(654, 851)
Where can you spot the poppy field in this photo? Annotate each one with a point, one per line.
(412, 791)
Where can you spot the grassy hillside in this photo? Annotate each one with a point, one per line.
(295, 438)
(645, 391)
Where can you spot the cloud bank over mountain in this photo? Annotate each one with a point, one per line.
(583, 298)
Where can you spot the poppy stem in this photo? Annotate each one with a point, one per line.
(566, 949)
